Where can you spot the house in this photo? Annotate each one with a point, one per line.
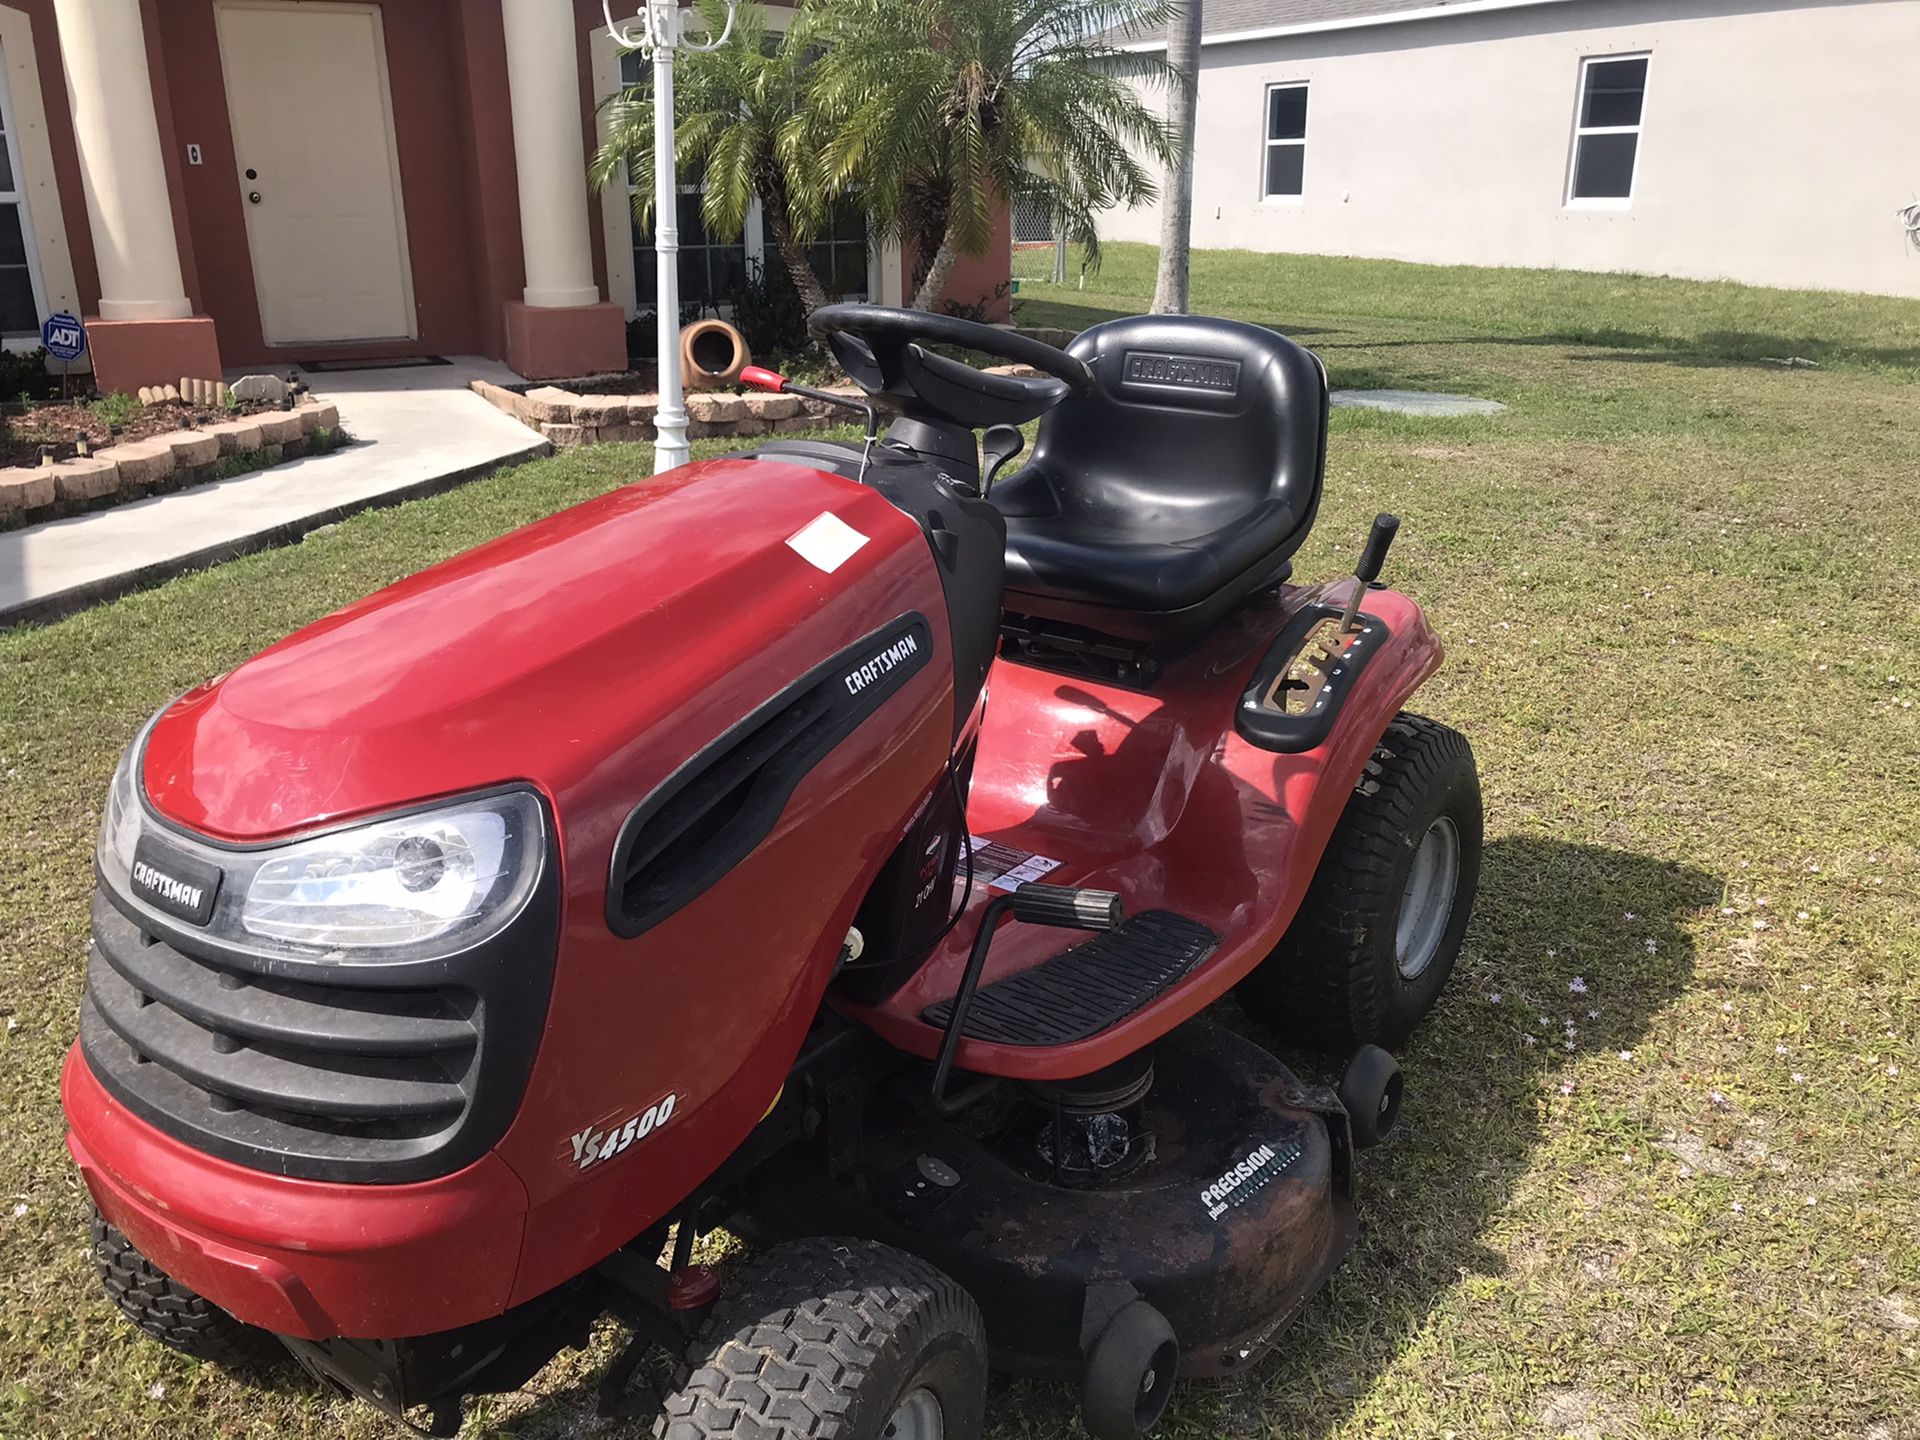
(1769, 141)
(226, 183)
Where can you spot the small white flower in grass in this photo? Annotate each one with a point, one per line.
(1779, 1049)
(1811, 1200)
(19, 1210)
(1804, 987)
(1570, 1044)
(12, 1024)
(1893, 1069)
(1627, 1158)
(1738, 1208)
(1761, 901)
(1546, 1019)
(1653, 946)
(1566, 1087)
(1726, 1007)
(1760, 925)
(1528, 1041)
(156, 1391)
(1630, 915)
(1626, 1054)
(1719, 1100)
(1494, 998)
(1798, 1078)
(1803, 916)
(1593, 1014)
(1577, 985)
(1551, 952)
(1726, 909)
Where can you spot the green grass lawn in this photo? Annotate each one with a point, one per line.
(1659, 1173)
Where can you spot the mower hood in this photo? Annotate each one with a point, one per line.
(630, 621)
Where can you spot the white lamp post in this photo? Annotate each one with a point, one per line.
(662, 31)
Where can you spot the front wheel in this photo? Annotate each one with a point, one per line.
(836, 1338)
(177, 1317)
(1382, 922)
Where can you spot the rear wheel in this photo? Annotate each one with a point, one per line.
(836, 1338)
(1382, 922)
(169, 1312)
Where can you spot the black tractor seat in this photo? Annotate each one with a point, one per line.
(1178, 487)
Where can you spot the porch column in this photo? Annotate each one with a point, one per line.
(561, 326)
(145, 332)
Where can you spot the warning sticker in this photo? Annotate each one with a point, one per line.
(1007, 867)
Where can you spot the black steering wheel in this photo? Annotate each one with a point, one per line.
(885, 352)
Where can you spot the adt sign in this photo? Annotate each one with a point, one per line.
(65, 337)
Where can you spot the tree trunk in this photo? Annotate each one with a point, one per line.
(813, 295)
(935, 284)
(1176, 201)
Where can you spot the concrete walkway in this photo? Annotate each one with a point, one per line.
(415, 431)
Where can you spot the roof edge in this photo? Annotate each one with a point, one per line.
(1351, 22)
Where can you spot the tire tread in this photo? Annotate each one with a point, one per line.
(165, 1310)
(791, 1340)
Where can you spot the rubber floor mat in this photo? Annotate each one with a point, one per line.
(1087, 989)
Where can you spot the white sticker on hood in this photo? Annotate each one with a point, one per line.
(826, 542)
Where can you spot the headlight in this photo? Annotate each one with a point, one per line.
(403, 887)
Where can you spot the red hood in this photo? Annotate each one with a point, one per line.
(539, 656)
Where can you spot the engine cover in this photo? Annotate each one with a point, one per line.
(608, 657)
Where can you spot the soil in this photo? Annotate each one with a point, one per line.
(23, 433)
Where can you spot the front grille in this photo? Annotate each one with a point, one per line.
(338, 1074)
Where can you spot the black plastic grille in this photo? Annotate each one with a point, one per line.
(339, 1074)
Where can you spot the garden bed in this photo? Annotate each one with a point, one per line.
(613, 409)
(116, 420)
(171, 451)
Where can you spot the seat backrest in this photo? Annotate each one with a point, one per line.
(1192, 424)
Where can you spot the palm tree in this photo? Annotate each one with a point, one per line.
(940, 112)
(1176, 212)
(743, 127)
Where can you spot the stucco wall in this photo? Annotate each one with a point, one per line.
(1778, 140)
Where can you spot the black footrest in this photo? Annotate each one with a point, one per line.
(1089, 988)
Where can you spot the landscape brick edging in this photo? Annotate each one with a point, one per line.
(570, 420)
(163, 463)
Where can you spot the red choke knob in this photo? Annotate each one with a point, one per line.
(761, 378)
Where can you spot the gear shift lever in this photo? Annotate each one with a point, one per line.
(1385, 527)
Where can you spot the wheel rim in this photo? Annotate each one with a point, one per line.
(916, 1417)
(1427, 903)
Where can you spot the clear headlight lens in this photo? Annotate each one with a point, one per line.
(403, 887)
(395, 882)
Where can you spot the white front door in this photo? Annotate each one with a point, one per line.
(319, 173)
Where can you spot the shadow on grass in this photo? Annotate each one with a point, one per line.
(1475, 1093)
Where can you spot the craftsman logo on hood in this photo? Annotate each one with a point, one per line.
(173, 883)
(861, 676)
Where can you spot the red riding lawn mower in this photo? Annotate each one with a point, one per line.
(829, 843)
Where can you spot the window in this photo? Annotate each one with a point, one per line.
(1286, 149)
(711, 266)
(19, 284)
(1606, 135)
(839, 252)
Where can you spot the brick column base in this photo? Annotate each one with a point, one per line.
(130, 353)
(564, 342)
